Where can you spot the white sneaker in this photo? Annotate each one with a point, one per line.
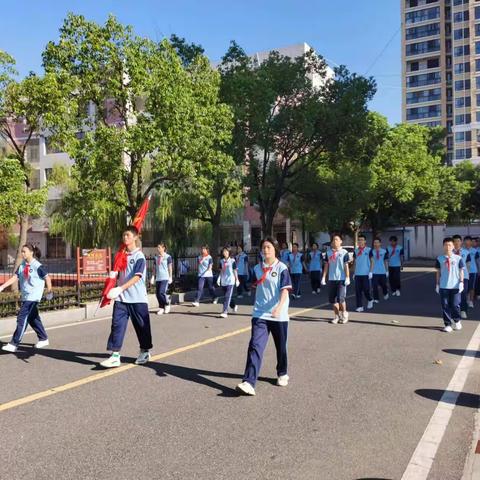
(470, 304)
(359, 309)
(160, 311)
(376, 301)
(299, 296)
(447, 329)
(335, 320)
(314, 292)
(343, 318)
(457, 325)
(42, 343)
(249, 293)
(386, 297)
(318, 290)
(143, 357)
(235, 309)
(463, 315)
(398, 293)
(239, 296)
(245, 388)
(224, 315)
(195, 304)
(370, 305)
(215, 301)
(111, 362)
(9, 348)
(167, 309)
(282, 380)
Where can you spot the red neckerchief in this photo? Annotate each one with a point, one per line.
(224, 264)
(393, 251)
(334, 256)
(378, 254)
(456, 252)
(294, 257)
(266, 271)
(447, 263)
(160, 259)
(360, 251)
(314, 254)
(26, 271)
(202, 258)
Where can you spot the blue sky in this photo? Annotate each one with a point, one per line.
(350, 32)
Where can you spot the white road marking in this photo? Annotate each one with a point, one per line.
(422, 459)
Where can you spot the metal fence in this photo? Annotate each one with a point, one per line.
(67, 292)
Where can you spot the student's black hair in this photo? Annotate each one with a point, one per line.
(206, 247)
(314, 243)
(132, 229)
(227, 249)
(34, 249)
(336, 234)
(455, 237)
(447, 239)
(378, 238)
(162, 244)
(393, 238)
(295, 244)
(362, 236)
(467, 237)
(273, 242)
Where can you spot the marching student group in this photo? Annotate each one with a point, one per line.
(275, 279)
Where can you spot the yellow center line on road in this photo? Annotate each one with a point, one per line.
(114, 371)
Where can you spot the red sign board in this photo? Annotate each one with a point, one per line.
(94, 261)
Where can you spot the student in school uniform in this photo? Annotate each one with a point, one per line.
(285, 253)
(379, 270)
(163, 277)
(473, 269)
(227, 279)
(315, 261)
(32, 277)
(183, 267)
(296, 265)
(396, 257)
(270, 315)
(131, 301)
(338, 273)
(205, 275)
(476, 246)
(458, 249)
(361, 257)
(449, 285)
(242, 271)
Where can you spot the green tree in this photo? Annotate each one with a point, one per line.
(288, 113)
(29, 108)
(148, 120)
(469, 175)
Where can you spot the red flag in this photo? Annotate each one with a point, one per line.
(120, 260)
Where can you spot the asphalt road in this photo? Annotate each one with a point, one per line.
(360, 397)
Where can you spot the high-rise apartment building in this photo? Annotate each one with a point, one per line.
(441, 71)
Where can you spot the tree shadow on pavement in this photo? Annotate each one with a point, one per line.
(199, 376)
(364, 322)
(463, 353)
(462, 399)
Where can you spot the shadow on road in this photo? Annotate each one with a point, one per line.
(462, 399)
(463, 353)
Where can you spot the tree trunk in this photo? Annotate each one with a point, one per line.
(22, 240)
(216, 234)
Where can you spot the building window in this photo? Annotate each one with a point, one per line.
(423, 47)
(477, 13)
(424, 96)
(459, 17)
(423, 112)
(423, 31)
(463, 102)
(33, 151)
(433, 63)
(56, 247)
(462, 67)
(460, 2)
(422, 15)
(463, 119)
(461, 51)
(424, 79)
(460, 33)
(462, 85)
(48, 173)
(461, 137)
(477, 30)
(35, 179)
